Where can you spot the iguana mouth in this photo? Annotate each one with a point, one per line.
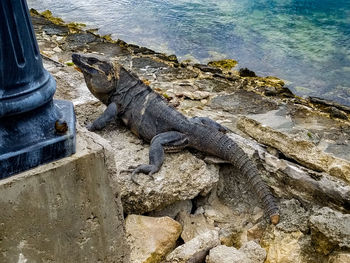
(83, 63)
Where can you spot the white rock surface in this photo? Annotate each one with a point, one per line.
(151, 238)
(250, 252)
(334, 225)
(195, 250)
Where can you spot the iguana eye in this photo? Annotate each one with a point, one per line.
(92, 60)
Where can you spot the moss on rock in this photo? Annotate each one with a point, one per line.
(225, 64)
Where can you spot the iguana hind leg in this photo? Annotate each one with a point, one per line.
(171, 141)
(108, 115)
(209, 122)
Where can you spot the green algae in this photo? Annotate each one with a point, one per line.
(225, 64)
(56, 20)
(73, 27)
(269, 81)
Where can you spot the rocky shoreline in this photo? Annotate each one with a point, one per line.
(199, 209)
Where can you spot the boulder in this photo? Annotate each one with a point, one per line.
(250, 252)
(283, 247)
(151, 238)
(183, 206)
(330, 227)
(339, 257)
(195, 250)
(304, 152)
(193, 225)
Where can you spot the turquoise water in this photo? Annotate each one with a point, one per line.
(306, 42)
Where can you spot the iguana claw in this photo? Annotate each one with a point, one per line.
(146, 169)
(142, 168)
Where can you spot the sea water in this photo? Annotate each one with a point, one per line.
(305, 42)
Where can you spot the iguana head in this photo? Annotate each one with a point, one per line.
(101, 75)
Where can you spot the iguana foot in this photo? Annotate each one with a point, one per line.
(146, 169)
(142, 168)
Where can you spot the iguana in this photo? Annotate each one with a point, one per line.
(150, 117)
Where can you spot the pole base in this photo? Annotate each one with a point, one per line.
(31, 139)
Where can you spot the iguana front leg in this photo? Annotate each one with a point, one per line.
(164, 142)
(108, 115)
(209, 122)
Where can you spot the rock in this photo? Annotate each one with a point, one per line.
(197, 95)
(143, 50)
(108, 49)
(333, 226)
(224, 254)
(225, 64)
(78, 40)
(271, 91)
(336, 113)
(256, 232)
(250, 252)
(283, 247)
(243, 102)
(173, 74)
(302, 151)
(292, 180)
(293, 217)
(253, 251)
(330, 103)
(245, 72)
(195, 250)
(174, 209)
(193, 225)
(181, 177)
(215, 85)
(232, 220)
(339, 257)
(151, 239)
(143, 64)
(206, 68)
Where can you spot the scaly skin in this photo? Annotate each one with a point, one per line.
(149, 116)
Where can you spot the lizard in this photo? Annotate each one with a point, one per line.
(149, 116)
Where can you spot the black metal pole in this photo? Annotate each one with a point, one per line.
(34, 128)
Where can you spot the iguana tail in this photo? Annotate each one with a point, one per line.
(240, 159)
(224, 147)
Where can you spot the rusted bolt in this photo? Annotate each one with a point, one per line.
(61, 126)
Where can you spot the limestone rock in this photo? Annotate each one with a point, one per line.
(293, 216)
(193, 225)
(333, 225)
(174, 209)
(181, 177)
(283, 247)
(293, 180)
(195, 250)
(302, 151)
(150, 238)
(339, 257)
(254, 252)
(250, 252)
(224, 254)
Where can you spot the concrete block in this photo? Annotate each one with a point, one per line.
(64, 211)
